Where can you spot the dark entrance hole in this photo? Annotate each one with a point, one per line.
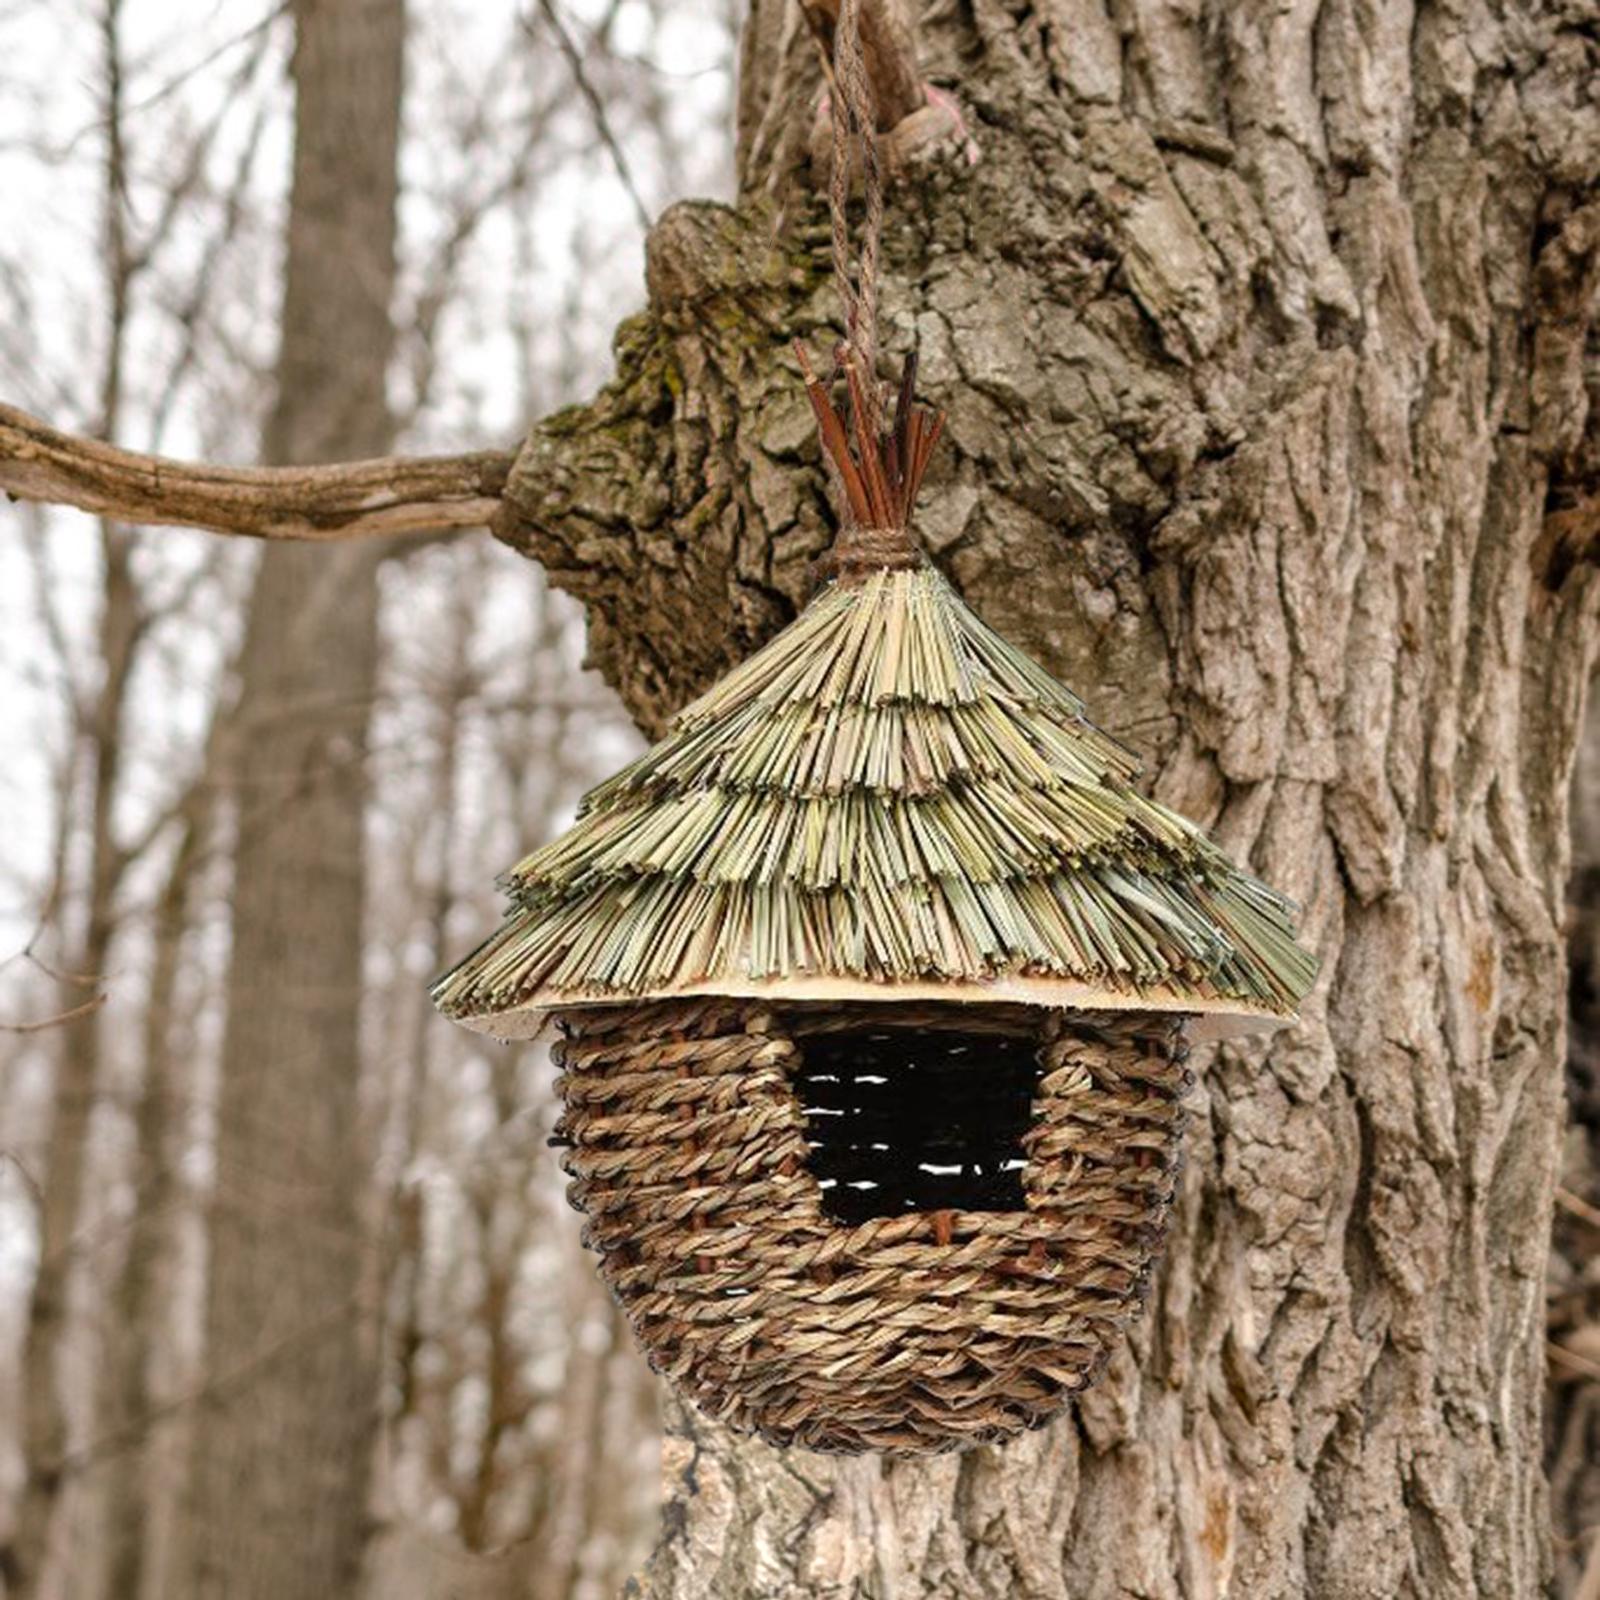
(916, 1119)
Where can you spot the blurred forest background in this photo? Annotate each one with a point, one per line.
(145, 160)
(195, 1221)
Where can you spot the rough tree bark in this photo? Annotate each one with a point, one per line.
(1262, 333)
(282, 1449)
(1572, 1413)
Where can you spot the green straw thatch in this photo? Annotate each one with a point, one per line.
(888, 793)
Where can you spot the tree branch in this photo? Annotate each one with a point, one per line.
(597, 107)
(58, 1020)
(348, 500)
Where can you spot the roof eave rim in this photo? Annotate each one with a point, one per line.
(1215, 1017)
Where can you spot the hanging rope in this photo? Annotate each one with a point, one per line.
(854, 117)
(875, 484)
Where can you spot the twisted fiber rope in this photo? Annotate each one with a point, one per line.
(917, 1332)
(855, 116)
(858, 552)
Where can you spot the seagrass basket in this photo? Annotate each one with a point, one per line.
(933, 1257)
(874, 979)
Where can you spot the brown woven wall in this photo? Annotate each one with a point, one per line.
(923, 1331)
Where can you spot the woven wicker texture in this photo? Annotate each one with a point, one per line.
(887, 792)
(924, 1330)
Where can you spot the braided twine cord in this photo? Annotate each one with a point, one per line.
(687, 1149)
(855, 118)
(864, 543)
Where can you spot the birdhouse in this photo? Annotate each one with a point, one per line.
(874, 981)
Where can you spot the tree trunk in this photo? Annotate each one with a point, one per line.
(25, 1562)
(139, 1472)
(46, 1425)
(1262, 335)
(281, 1468)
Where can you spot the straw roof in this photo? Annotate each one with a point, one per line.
(887, 801)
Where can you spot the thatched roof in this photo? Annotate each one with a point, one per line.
(887, 801)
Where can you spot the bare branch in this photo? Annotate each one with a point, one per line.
(58, 1020)
(1575, 1206)
(597, 107)
(1571, 1361)
(347, 500)
(190, 314)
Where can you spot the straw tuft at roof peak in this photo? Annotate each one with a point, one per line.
(887, 796)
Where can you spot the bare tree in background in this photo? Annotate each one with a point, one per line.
(279, 1495)
(1267, 342)
(131, 611)
(517, 1411)
(140, 1474)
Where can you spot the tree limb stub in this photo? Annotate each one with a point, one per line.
(348, 500)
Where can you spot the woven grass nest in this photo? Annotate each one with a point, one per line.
(874, 980)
